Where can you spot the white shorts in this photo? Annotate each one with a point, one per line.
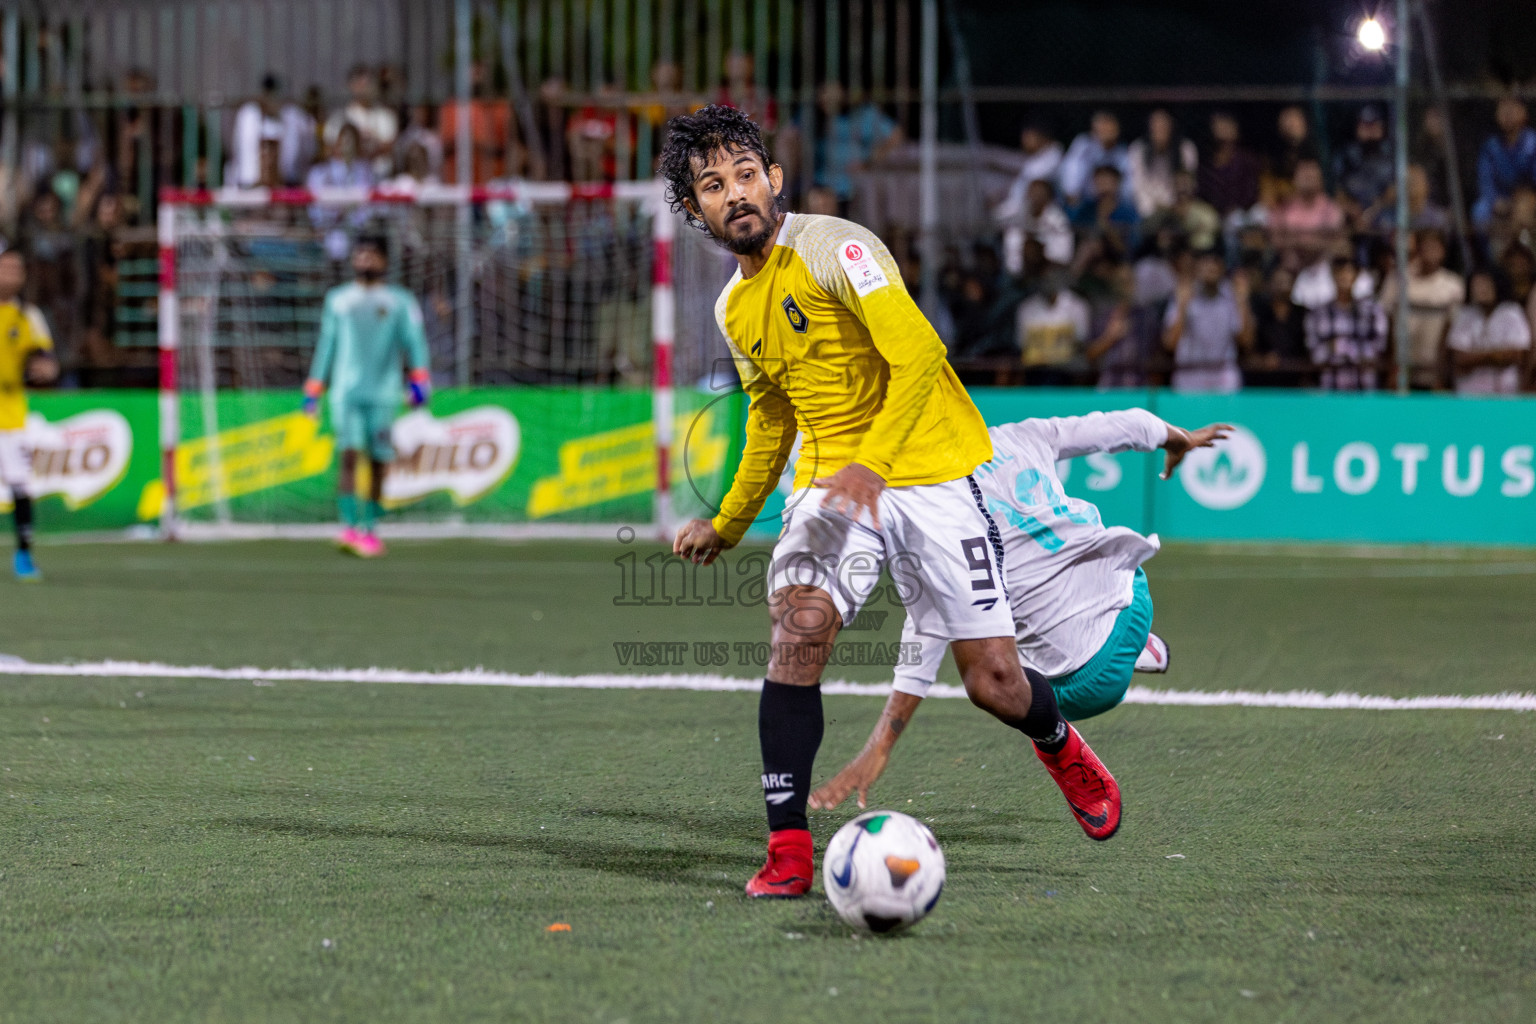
(940, 546)
(15, 460)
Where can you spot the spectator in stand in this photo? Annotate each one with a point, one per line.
(1506, 159)
(1107, 214)
(1155, 160)
(592, 137)
(1040, 217)
(135, 142)
(1423, 213)
(1489, 339)
(851, 141)
(420, 130)
(1279, 355)
(1434, 296)
(547, 141)
(375, 122)
(1229, 174)
(270, 117)
(496, 151)
(1052, 328)
(1155, 276)
(821, 201)
(1363, 172)
(740, 90)
(1098, 146)
(1042, 157)
(1428, 151)
(937, 314)
(415, 173)
(1293, 144)
(1124, 336)
(1519, 267)
(1348, 336)
(53, 280)
(1206, 326)
(101, 248)
(1190, 216)
(1308, 220)
(343, 168)
(1515, 224)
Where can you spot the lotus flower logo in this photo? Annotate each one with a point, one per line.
(1227, 476)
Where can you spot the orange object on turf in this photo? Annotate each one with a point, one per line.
(558, 926)
(789, 870)
(1091, 791)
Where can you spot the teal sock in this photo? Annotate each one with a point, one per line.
(347, 503)
(372, 510)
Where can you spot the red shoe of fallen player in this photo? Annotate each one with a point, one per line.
(1090, 790)
(788, 872)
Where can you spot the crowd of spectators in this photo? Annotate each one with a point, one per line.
(1207, 267)
(1185, 256)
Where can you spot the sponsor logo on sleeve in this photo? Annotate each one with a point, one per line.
(863, 271)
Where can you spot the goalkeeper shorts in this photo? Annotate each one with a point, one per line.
(364, 427)
(1101, 684)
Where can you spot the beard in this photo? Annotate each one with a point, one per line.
(746, 245)
(370, 276)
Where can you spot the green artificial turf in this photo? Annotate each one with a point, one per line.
(202, 851)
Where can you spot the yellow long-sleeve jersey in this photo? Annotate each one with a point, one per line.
(828, 342)
(22, 332)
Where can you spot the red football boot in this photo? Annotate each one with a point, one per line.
(1090, 790)
(789, 871)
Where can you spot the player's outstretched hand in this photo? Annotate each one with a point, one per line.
(853, 489)
(698, 542)
(857, 776)
(40, 369)
(313, 389)
(420, 386)
(1181, 442)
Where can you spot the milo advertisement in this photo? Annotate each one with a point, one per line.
(1299, 466)
(487, 455)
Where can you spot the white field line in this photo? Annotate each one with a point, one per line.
(725, 684)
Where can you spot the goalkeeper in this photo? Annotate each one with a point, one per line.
(366, 330)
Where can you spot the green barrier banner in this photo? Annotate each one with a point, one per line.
(1379, 468)
(92, 453)
(1305, 466)
(493, 455)
(1301, 466)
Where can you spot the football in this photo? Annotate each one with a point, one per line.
(883, 871)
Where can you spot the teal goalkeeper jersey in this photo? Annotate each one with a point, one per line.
(366, 332)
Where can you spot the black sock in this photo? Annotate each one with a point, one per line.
(21, 513)
(789, 727)
(1043, 725)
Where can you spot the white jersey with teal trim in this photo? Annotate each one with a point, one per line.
(1067, 574)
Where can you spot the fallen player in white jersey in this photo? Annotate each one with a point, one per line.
(1081, 607)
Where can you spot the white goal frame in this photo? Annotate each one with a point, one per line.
(650, 194)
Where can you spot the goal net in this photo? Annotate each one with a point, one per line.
(579, 381)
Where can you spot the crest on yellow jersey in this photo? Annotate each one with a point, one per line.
(797, 319)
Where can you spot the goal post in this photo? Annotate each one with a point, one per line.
(571, 331)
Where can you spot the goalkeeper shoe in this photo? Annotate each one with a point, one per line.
(1155, 656)
(368, 546)
(1091, 791)
(26, 570)
(348, 539)
(789, 870)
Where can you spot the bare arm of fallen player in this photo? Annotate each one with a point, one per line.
(859, 774)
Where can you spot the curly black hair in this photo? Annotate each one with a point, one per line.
(699, 135)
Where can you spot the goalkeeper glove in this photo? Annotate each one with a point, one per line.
(421, 388)
(312, 391)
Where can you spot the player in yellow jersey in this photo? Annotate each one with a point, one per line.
(26, 357)
(829, 344)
